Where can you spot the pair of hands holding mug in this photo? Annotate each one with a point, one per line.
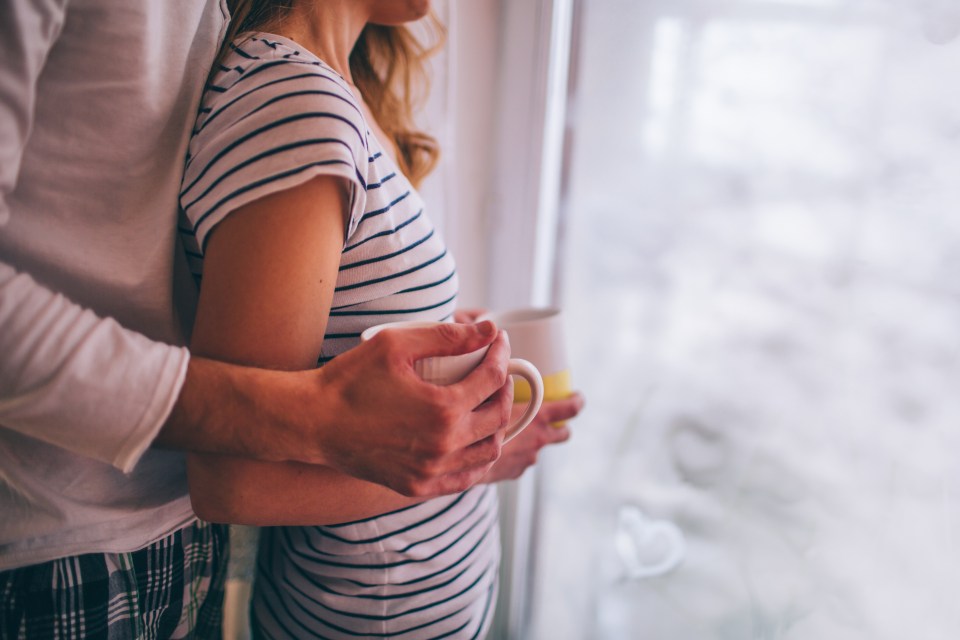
(376, 401)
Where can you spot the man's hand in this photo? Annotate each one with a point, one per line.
(391, 427)
(521, 453)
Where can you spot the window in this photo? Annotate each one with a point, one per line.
(762, 236)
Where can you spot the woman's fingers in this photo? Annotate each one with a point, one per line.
(565, 409)
(445, 339)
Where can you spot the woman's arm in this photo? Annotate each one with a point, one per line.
(270, 269)
(242, 491)
(279, 495)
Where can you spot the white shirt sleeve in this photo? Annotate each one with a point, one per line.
(67, 377)
(81, 382)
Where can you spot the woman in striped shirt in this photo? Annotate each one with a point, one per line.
(303, 161)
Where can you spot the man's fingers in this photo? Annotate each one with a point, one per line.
(491, 416)
(466, 469)
(482, 453)
(458, 482)
(489, 376)
(478, 455)
(447, 339)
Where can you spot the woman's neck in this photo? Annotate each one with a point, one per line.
(328, 28)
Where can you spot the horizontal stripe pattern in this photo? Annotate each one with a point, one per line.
(273, 117)
(417, 573)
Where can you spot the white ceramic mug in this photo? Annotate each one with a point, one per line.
(445, 370)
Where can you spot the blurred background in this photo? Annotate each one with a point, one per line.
(759, 253)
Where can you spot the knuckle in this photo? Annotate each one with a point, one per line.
(389, 344)
(448, 332)
(385, 340)
(421, 484)
(508, 391)
(444, 415)
(486, 452)
(430, 469)
(455, 483)
(494, 444)
(504, 413)
(447, 418)
(446, 421)
(500, 375)
(431, 449)
(493, 450)
(417, 490)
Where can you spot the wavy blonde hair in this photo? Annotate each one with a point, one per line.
(388, 65)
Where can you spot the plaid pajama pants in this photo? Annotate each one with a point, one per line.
(170, 589)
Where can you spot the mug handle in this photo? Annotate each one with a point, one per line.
(524, 369)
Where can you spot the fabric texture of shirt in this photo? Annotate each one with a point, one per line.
(97, 101)
(275, 116)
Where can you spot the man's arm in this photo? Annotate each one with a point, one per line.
(88, 385)
(324, 416)
(78, 381)
(290, 493)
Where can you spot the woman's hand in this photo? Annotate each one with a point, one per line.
(521, 452)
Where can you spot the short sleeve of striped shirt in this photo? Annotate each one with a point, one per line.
(272, 117)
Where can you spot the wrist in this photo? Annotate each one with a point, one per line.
(245, 411)
(296, 408)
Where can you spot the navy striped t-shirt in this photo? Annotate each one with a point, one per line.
(273, 117)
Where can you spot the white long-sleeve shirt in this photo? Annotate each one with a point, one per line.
(97, 101)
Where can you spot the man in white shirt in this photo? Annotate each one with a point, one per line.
(98, 396)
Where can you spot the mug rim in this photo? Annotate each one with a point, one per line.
(522, 315)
